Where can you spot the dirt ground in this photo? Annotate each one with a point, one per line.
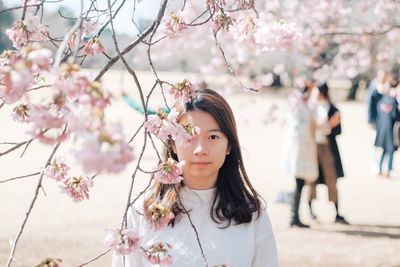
(59, 228)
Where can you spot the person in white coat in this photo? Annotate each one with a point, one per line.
(214, 216)
(300, 148)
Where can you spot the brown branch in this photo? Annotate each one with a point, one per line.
(20, 177)
(15, 147)
(229, 67)
(154, 147)
(192, 24)
(19, 7)
(39, 185)
(123, 52)
(95, 258)
(135, 134)
(60, 50)
(26, 147)
(133, 176)
(194, 228)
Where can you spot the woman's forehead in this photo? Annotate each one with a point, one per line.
(201, 119)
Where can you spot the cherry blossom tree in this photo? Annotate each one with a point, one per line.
(322, 37)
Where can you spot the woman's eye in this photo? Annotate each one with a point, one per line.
(214, 137)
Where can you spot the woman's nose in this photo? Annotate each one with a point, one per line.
(200, 148)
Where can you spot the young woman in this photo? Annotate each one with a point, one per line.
(215, 197)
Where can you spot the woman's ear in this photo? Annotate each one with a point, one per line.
(228, 150)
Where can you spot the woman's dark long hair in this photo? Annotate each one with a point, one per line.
(235, 198)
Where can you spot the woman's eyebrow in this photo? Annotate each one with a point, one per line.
(214, 130)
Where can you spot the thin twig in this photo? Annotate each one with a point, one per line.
(39, 185)
(229, 67)
(135, 134)
(95, 258)
(18, 7)
(142, 192)
(123, 52)
(60, 50)
(26, 147)
(194, 228)
(124, 219)
(14, 148)
(20, 177)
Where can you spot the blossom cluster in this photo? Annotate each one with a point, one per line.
(122, 241)
(27, 30)
(170, 172)
(79, 102)
(158, 253)
(86, 33)
(174, 25)
(158, 215)
(19, 69)
(167, 126)
(76, 187)
(278, 35)
(184, 90)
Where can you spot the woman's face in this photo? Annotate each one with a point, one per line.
(205, 154)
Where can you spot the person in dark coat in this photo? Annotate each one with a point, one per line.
(329, 160)
(387, 115)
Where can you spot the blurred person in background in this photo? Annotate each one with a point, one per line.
(300, 148)
(387, 115)
(329, 161)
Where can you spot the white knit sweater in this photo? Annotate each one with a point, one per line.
(245, 245)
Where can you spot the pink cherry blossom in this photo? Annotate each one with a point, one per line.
(185, 90)
(244, 29)
(93, 47)
(28, 30)
(185, 133)
(41, 58)
(276, 36)
(44, 117)
(170, 172)
(77, 187)
(154, 122)
(8, 57)
(88, 27)
(215, 5)
(158, 254)
(245, 4)
(165, 127)
(18, 34)
(72, 82)
(103, 151)
(122, 241)
(222, 21)
(21, 113)
(95, 96)
(57, 169)
(50, 262)
(174, 25)
(73, 41)
(158, 215)
(15, 81)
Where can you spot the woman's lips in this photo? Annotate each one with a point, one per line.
(201, 163)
